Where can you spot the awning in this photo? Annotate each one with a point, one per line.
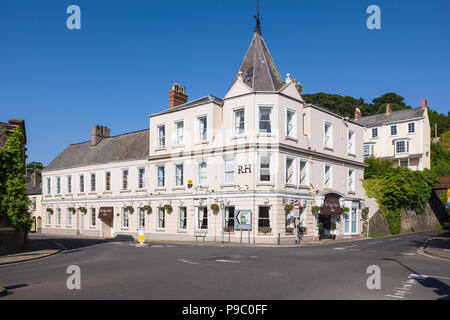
(331, 206)
(106, 213)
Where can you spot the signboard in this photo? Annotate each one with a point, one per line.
(189, 183)
(331, 206)
(243, 220)
(106, 213)
(141, 236)
(296, 205)
(448, 196)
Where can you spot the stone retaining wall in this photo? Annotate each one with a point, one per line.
(11, 240)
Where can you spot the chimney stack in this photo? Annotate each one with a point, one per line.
(177, 96)
(36, 177)
(98, 133)
(358, 114)
(388, 109)
(424, 103)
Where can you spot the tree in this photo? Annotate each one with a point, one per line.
(391, 98)
(14, 203)
(445, 138)
(440, 160)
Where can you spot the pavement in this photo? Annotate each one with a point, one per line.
(113, 269)
(33, 249)
(438, 247)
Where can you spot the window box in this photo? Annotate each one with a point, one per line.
(265, 230)
(290, 230)
(227, 229)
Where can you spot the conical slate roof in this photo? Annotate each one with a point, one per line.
(258, 69)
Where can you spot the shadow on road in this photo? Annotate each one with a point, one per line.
(441, 289)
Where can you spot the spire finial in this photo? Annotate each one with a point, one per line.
(258, 21)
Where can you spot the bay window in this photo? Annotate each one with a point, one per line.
(265, 122)
(239, 122)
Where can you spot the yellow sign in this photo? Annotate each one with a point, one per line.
(189, 181)
(141, 236)
(448, 195)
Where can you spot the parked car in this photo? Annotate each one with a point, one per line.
(446, 225)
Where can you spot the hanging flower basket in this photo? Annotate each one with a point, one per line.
(290, 230)
(345, 210)
(82, 209)
(288, 207)
(215, 208)
(147, 209)
(168, 208)
(50, 210)
(302, 229)
(315, 210)
(333, 226)
(265, 230)
(129, 209)
(72, 209)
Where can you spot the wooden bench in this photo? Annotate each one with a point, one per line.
(199, 234)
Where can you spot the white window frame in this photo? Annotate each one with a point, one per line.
(93, 187)
(406, 142)
(306, 161)
(141, 178)
(351, 175)
(228, 159)
(125, 218)
(58, 185)
(106, 181)
(69, 183)
(200, 179)
(236, 127)
(49, 218)
(164, 175)
(294, 170)
(127, 179)
(270, 167)
(371, 150)
(69, 218)
(161, 218)
(178, 140)
(414, 125)
(81, 183)
(202, 136)
(372, 131)
(161, 140)
(93, 218)
(260, 108)
(181, 219)
(270, 216)
(293, 133)
(331, 176)
(182, 174)
(49, 186)
(328, 139)
(198, 225)
(390, 130)
(351, 145)
(58, 216)
(141, 219)
(400, 163)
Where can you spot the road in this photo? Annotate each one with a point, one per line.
(119, 270)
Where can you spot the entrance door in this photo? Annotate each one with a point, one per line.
(106, 229)
(39, 225)
(326, 224)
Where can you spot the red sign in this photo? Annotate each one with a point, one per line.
(296, 204)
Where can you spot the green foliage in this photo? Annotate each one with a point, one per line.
(82, 209)
(168, 208)
(393, 99)
(147, 209)
(399, 189)
(445, 138)
(442, 121)
(14, 203)
(129, 208)
(377, 168)
(215, 208)
(440, 160)
(288, 207)
(32, 166)
(315, 209)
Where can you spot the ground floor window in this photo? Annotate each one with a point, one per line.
(351, 221)
(141, 218)
(161, 218)
(58, 217)
(229, 217)
(289, 219)
(69, 218)
(49, 218)
(202, 218)
(125, 218)
(93, 217)
(264, 217)
(183, 218)
(404, 163)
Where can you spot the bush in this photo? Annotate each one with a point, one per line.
(440, 160)
(377, 168)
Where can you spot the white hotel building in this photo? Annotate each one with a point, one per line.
(256, 150)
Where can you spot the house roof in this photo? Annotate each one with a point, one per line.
(209, 98)
(34, 189)
(125, 147)
(396, 116)
(258, 68)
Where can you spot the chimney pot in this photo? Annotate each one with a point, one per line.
(388, 109)
(98, 133)
(424, 103)
(177, 95)
(358, 114)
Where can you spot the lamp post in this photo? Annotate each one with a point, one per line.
(222, 207)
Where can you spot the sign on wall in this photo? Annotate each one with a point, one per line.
(243, 220)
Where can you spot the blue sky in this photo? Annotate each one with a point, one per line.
(119, 67)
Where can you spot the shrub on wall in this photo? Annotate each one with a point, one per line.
(399, 189)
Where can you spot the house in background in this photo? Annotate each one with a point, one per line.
(400, 136)
(34, 192)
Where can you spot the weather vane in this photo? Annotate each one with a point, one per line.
(258, 21)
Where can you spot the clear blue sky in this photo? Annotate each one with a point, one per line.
(119, 67)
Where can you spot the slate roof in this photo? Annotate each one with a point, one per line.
(34, 189)
(395, 116)
(125, 147)
(209, 98)
(258, 68)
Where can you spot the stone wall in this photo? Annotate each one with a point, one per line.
(11, 240)
(411, 222)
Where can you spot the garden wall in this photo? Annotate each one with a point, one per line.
(11, 240)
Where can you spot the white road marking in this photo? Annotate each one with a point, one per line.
(188, 261)
(344, 248)
(373, 242)
(388, 295)
(232, 261)
(395, 239)
(408, 253)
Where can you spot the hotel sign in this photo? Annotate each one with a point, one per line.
(331, 206)
(106, 213)
(245, 169)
